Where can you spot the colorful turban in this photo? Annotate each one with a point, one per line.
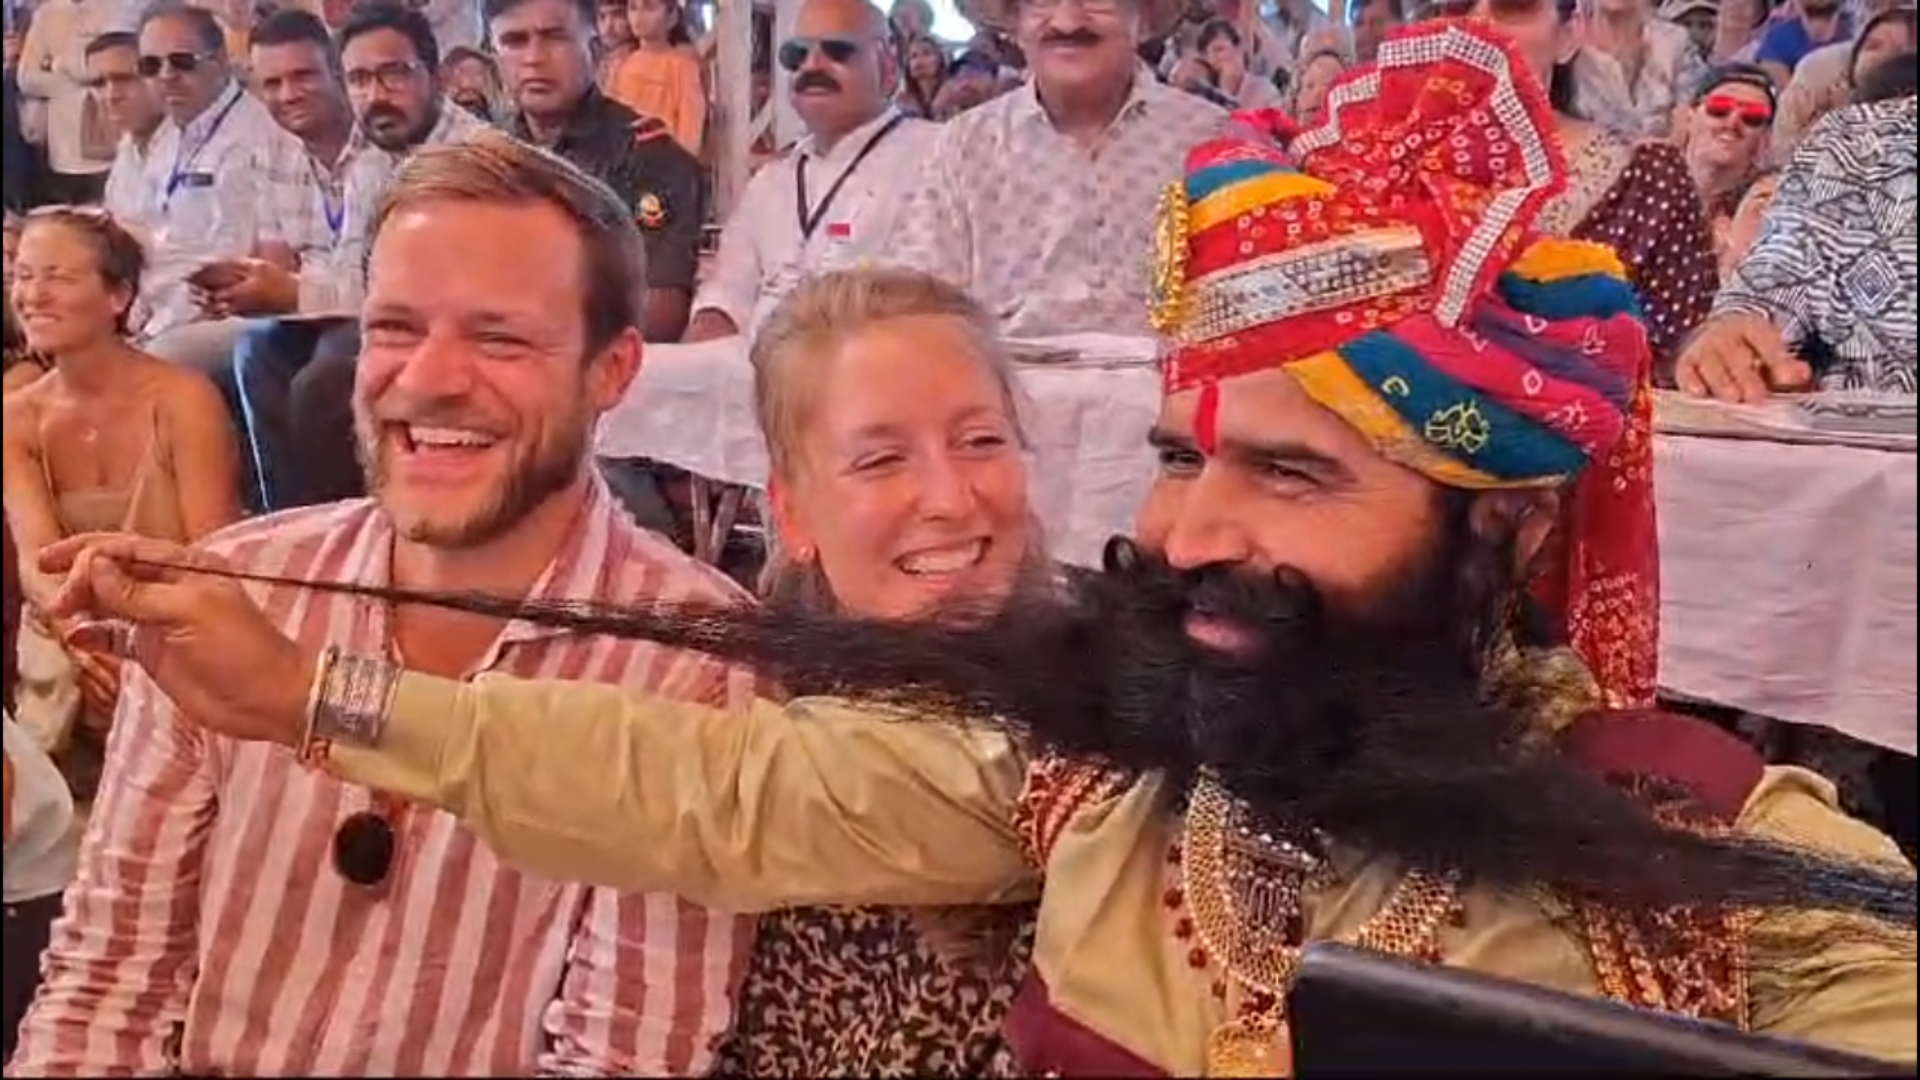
(1385, 258)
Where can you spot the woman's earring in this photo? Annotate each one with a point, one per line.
(803, 553)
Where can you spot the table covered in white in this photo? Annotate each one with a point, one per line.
(1788, 570)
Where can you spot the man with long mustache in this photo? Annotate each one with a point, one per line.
(1320, 699)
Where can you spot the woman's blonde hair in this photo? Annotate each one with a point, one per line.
(121, 258)
(788, 356)
(800, 337)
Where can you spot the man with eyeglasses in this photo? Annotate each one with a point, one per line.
(113, 77)
(295, 70)
(295, 374)
(1040, 202)
(199, 188)
(835, 200)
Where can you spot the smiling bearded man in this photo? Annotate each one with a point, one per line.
(1322, 699)
(237, 913)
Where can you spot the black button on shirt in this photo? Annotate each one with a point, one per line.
(659, 181)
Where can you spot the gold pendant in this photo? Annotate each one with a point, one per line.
(1250, 1048)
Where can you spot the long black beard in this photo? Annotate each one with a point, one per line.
(1372, 728)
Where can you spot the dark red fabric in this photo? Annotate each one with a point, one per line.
(1716, 770)
(1048, 1042)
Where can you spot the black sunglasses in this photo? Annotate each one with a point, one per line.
(183, 63)
(795, 50)
(363, 848)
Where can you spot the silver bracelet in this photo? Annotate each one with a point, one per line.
(322, 671)
(356, 694)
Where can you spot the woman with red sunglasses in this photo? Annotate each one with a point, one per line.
(1728, 128)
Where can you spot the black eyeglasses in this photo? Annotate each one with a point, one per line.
(838, 50)
(393, 76)
(182, 63)
(364, 847)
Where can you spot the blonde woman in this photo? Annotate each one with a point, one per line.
(108, 438)
(899, 479)
(21, 364)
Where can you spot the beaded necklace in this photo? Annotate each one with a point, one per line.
(1240, 906)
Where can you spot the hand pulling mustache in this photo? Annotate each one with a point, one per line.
(815, 80)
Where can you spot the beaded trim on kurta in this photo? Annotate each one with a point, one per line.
(1685, 961)
(1055, 790)
(1635, 958)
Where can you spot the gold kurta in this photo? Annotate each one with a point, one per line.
(815, 802)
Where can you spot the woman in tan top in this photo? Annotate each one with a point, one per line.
(108, 439)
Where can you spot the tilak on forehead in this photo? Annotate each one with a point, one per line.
(1385, 258)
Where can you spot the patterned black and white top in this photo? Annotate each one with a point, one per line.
(1836, 263)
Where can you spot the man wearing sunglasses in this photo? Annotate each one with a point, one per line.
(1829, 295)
(1041, 202)
(1732, 115)
(201, 189)
(835, 201)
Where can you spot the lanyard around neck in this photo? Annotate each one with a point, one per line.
(184, 159)
(810, 221)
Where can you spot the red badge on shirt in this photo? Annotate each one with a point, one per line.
(840, 230)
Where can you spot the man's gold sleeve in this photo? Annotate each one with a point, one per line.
(1835, 980)
(812, 802)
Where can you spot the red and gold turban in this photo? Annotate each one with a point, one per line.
(1386, 259)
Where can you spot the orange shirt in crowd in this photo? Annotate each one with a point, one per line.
(664, 83)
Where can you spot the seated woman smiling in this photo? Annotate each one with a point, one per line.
(899, 478)
(108, 438)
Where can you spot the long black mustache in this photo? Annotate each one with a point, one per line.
(1376, 732)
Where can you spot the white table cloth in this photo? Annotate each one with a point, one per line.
(1788, 571)
(1788, 581)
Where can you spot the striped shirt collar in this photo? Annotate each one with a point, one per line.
(602, 535)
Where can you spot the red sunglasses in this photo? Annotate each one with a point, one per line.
(1753, 114)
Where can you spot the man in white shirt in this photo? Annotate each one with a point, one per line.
(835, 200)
(201, 185)
(1041, 202)
(53, 72)
(296, 73)
(113, 77)
(299, 182)
(293, 375)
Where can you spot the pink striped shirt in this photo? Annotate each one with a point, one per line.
(208, 933)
